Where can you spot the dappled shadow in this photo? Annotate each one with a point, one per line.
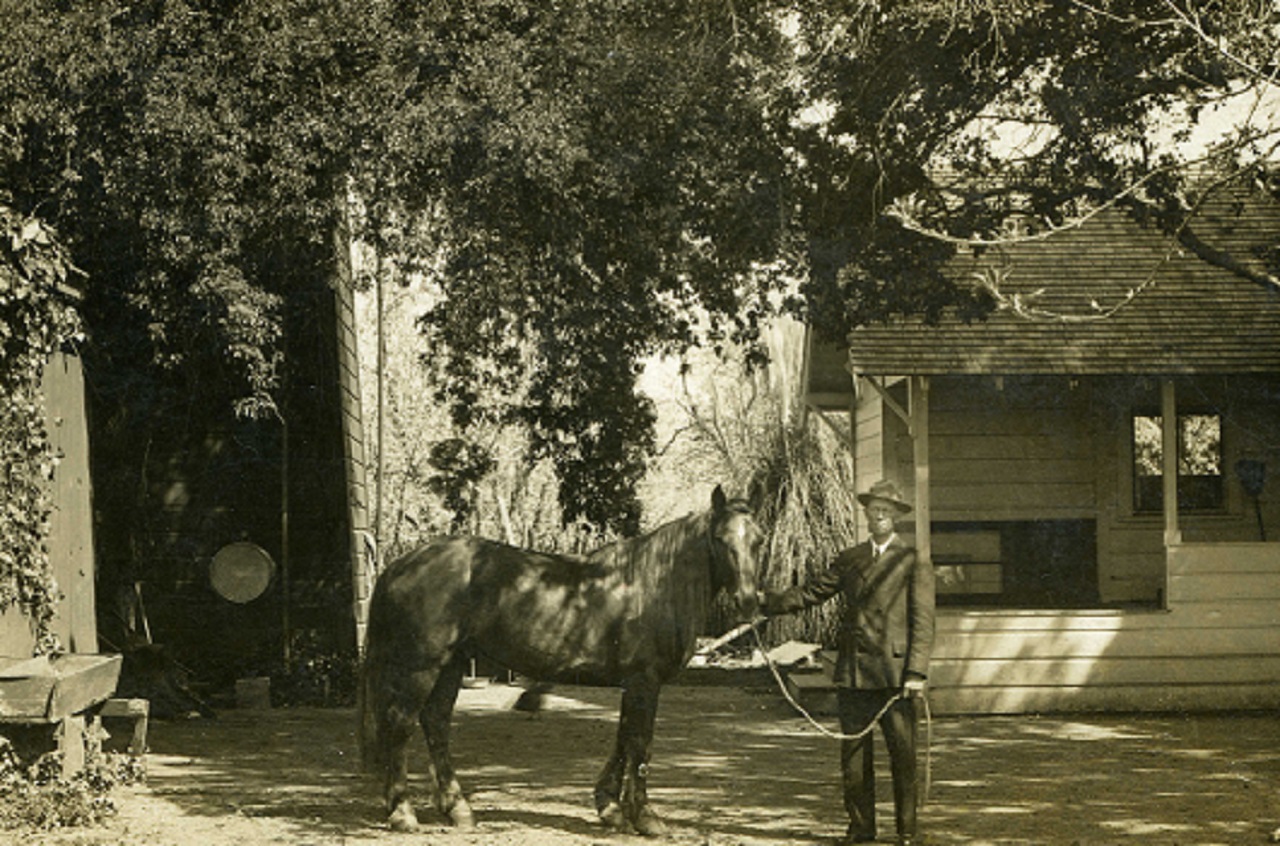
(1188, 779)
(735, 766)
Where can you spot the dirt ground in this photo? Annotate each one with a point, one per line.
(731, 767)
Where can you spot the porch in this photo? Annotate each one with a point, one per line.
(1215, 647)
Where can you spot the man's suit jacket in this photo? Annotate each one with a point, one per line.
(886, 626)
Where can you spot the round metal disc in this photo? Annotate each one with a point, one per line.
(241, 571)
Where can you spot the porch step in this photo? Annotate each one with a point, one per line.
(814, 691)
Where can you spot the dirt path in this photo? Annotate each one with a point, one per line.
(731, 767)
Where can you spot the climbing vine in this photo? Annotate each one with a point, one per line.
(37, 317)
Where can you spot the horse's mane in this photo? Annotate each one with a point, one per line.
(667, 561)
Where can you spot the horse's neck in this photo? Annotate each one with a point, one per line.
(667, 570)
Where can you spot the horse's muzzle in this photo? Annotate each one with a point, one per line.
(746, 606)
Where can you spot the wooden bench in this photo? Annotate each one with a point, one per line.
(137, 710)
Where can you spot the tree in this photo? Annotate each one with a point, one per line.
(1054, 111)
(590, 176)
(617, 172)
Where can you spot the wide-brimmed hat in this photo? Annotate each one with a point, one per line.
(887, 491)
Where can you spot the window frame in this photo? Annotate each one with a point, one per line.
(1156, 506)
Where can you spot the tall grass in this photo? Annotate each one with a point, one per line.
(747, 431)
(808, 507)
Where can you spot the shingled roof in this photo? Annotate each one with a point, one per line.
(1190, 316)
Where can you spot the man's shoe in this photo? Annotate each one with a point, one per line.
(855, 835)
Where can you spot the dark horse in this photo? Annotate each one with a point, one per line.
(626, 615)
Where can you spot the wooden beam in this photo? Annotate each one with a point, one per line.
(919, 426)
(903, 414)
(846, 438)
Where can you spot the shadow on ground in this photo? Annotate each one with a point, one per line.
(731, 766)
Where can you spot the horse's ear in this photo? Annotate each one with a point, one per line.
(718, 499)
(756, 494)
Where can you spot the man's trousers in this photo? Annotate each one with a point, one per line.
(898, 725)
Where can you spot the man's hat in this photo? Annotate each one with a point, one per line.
(887, 491)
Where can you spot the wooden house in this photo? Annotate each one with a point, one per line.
(70, 542)
(46, 699)
(1092, 488)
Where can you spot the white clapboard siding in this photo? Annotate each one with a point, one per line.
(1150, 697)
(1217, 647)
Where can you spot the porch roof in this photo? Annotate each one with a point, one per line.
(1189, 316)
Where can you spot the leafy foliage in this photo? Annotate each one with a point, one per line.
(593, 182)
(36, 320)
(610, 169)
(36, 796)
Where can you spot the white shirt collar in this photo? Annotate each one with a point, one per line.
(879, 548)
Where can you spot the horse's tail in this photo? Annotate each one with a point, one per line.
(371, 757)
(371, 680)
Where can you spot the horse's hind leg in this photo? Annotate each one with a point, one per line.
(394, 732)
(436, 717)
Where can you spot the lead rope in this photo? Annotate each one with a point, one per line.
(835, 735)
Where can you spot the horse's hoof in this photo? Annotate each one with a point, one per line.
(403, 819)
(649, 824)
(461, 817)
(612, 816)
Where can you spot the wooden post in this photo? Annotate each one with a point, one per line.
(1169, 459)
(1169, 469)
(71, 744)
(920, 443)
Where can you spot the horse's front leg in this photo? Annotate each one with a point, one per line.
(639, 713)
(608, 790)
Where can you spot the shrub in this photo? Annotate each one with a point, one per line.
(34, 795)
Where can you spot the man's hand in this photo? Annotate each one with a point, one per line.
(913, 687)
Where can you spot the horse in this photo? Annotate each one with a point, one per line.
(627, 615)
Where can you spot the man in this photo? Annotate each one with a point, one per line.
(885, 638)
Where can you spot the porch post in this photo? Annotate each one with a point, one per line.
(1169, 471)
(920, 445)
(1169, 457)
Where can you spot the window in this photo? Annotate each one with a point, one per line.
(1200, 480)
(1017, 563)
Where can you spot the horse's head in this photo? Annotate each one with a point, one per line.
(736, 540)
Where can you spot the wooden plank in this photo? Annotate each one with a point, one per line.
(25, 699)
(1225, 558)
(1062, 428)
(1240, 613)
(1213, 586)
(1014, 471)
(1027, 499)
(71, 744)
(1021, 700)
(1068, 672)
(1102, 644)
(83, 681)
(1255, 611)
(972, 446)
(136, 710)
